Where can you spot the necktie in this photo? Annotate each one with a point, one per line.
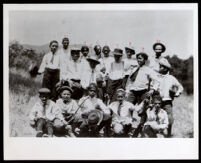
(134, 75)
(75, 65)
(119, 108)
(92, 76)
(52, 59)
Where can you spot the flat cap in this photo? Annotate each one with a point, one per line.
(66, 88)
(118, 51)
(44, 90)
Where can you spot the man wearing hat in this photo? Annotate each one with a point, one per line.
(116, 73)
(73, 66)
(153, 62)
(86, 105)
(101, 88)
(68, 107)
(97, 50)
(169, 88)
(88, 74)
(50, 66)
(43, 114)
(130, 63)
(124, 114)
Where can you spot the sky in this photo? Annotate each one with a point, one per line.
(140, 29)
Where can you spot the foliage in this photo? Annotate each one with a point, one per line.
(183, 71)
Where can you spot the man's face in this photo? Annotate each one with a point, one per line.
(75, 56)
(54, 47)
(92, 92)
(97, 50)
(92, 64)
(106, 52)
(157, 104)
(65, 95)
(163, 69)
(128, 53)
(140, 60)
(65, 44)
(117, 58)
(120, 96)
(44, 98)
(85, 52)
(158, 49)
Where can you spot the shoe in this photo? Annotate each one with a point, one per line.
(39, 134)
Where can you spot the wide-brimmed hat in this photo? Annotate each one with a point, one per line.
(118, 52)
(163, 46)
(44, 91)
(130, 48)
(93, 59)
(66, 88)
(164, 62)
(95, 116)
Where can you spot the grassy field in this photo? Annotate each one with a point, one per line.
(23, 95)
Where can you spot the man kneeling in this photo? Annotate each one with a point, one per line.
(157, 120)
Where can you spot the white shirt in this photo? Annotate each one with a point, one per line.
(69, 107)
(153, 63)
(106, 62)
(50, 111)
(87, 104)
(129, 65)
(88, 75)
(46, 62)
(161, 118)
(116, 70)
(166, 83)
(74, 69)
(126, 111)
(142, 79)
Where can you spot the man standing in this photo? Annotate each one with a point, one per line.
(65, 56)
(50, 66)
(169, 88)
(153, 62)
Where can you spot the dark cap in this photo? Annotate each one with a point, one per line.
(66, 88)
(144, 55)
(44, 91)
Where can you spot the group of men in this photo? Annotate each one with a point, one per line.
(105, 93)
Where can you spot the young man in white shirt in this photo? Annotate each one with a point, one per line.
(89, 72)
(74, 66)
(116, 73)
(157, 119)
(124, 115)
(169, 88)
(50, 66)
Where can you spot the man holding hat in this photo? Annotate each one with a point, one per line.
(116, 73)
(169, 88)
(43, 114)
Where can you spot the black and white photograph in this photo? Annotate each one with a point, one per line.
(101, 72)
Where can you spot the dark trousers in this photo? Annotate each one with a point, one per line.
(136, 97)
(44, 126)
(167, 106)
(50, 79)
(112, 86)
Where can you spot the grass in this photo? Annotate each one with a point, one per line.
(23, 95)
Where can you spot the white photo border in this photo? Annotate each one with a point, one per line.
(98, 148)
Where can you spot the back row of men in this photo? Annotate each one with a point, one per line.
(139, 76)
